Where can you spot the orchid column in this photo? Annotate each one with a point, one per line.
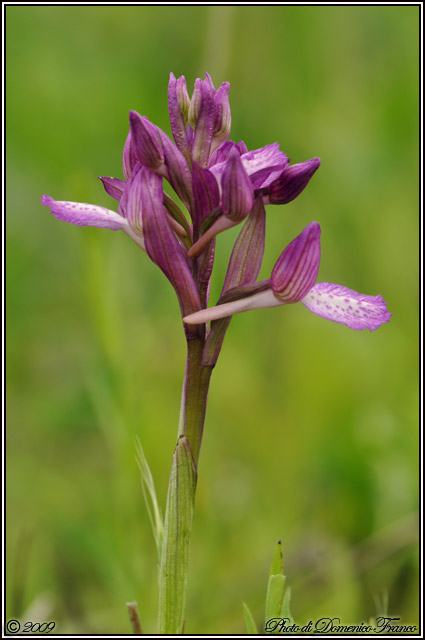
(219, 184)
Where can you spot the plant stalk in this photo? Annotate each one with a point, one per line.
(181, 493)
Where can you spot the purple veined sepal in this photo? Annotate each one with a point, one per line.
(146, 141)
(237, 192)
(201, 119)
(263, 165)
(345, 306)
(206, 195)
(162, 245)
(296, 269)
(131, 204)
(220, 155)
(182, 97)
(222, 116)
(114, 187)
(178, 107)
(129, 158)
(178, 171)
(237, 201)
(292, 181)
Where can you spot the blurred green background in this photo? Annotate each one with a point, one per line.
(312, 429)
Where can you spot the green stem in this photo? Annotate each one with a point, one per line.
(194, 397)
(181, 493)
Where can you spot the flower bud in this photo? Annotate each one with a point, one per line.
(195, 103)
(131, 201)
(201, 117)
(183, 99)
(147, 144)
(129, 159)
(237, 192)
(295, 272)
(292, 181)
(222, 116)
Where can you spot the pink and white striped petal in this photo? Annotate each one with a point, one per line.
(88, 215)
(261, 300)
(342, 305)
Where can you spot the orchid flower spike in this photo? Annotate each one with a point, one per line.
(292, 280)
(221, 183)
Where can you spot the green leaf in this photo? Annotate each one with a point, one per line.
(149, 495)
(274, 598)
(175, 547)
(251, 627)
(285, 606)
(277, 562)
(276, 586)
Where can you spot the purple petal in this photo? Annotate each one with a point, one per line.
(262, 165)
(342, 305)
(238, 194)
(183, 97)
(222, 115)
(221, 154)
(129, 159)
(262, 178)
(242, 147)
(113, 187)
(203, 130)
(206, 195)
(84, 215)
(296, 270)
(195, 103)
(162, 245)
(178, 171)
(131, 201)
(147, 144)
(292, 181)
(269, 156)
(178, 107)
